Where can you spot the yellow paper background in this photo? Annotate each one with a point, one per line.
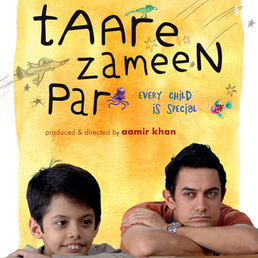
(129, 168)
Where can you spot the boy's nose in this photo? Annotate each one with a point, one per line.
(74, 232)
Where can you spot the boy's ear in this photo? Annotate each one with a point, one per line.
(35, 228)
(97, 229)
(169, 200)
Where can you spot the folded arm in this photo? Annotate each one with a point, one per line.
(144, 241)
(237, 239)
(152, 239)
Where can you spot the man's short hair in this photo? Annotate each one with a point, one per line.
(73, 182)
(193, 156)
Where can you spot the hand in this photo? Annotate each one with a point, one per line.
(27, 254)
(146, 217)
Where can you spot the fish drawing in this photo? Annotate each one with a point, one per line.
(44, 65)
(218, 108)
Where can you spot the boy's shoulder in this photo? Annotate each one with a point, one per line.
(32, 249)
(95, 249)
(103, 248)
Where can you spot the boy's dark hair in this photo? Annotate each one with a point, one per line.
(62, 179)
(193, 156)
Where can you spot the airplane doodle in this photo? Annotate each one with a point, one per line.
(44, 65)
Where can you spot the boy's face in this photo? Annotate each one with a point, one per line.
(68, 228)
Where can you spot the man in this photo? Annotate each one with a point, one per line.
(192, 220)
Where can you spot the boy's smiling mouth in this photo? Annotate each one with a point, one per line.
(74, 247)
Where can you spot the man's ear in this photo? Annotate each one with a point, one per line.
(35, 228)
(97, 229)
(168, 198)
(223, 196)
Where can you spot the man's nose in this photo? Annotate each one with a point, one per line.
(74, 231)
(201, 204)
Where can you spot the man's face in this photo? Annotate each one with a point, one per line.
(69, 228)
(197, 197)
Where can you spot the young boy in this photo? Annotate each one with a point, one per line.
(65, 208)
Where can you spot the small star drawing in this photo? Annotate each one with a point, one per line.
(251, 23)
(53, 161)
(230, 90)
(192, 64)
(150, 44)
(186, 39)
(26, 87)
(37, 101)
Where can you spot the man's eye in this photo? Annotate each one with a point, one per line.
(189, 194)
(212, 194)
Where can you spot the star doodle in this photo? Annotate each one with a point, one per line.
(186, 39)
(26, 87)
(53, 161)
(150, 44)
(192, 64)
(251, 23)
(37, 101)
(230, 90)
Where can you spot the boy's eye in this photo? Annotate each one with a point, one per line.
(86, 222)
(61, 223)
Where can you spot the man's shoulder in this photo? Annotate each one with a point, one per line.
(156, 206)
(230, 216)
(225, 207)
(150, 205)
(160, 207)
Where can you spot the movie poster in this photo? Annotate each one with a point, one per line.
(118, 88)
